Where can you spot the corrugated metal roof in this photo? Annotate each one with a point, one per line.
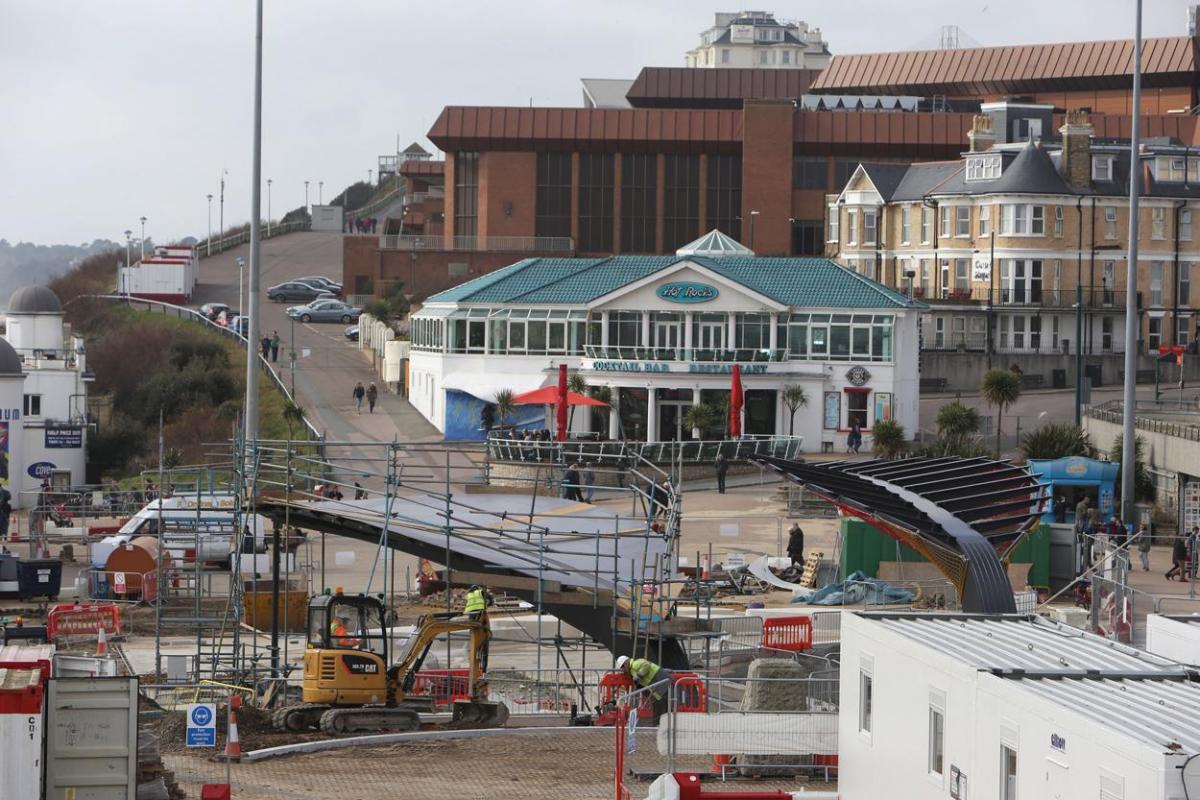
(815, 282)
(1167, 61)
(1015, 642)
(1157, 712)
(686, 87)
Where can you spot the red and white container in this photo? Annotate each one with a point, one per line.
(22, 731)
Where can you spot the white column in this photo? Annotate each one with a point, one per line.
(773, 334)
(687, 336)
(614, 415)
(732, 320)
(652, 415)
(696, 402)
(646, 340)
(604, 329)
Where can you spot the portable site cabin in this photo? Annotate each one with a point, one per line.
(1011, 707)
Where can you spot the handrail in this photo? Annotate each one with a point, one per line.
(370, 209)
(185, 312)
(226, 242)
(691, 451)
(514, 244)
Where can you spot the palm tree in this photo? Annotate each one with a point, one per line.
(890, 439)
(604, 394)
(700, 418)
(1055, 441)
(955, 422)
(505, 406)
(795, 398)
(578, 384)
(293, 415)
(1001, 388)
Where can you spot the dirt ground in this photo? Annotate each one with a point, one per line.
(577, 764)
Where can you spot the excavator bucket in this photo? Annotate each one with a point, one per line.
(472, 714)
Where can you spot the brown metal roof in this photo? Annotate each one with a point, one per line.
(422, 167)
(683, 87)
(1167, 61)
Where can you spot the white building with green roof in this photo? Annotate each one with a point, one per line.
(662, 333)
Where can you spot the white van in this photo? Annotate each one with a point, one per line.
(205, 530)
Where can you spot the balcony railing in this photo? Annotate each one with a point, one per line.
(510, 244)
(420, 197)
(47, 357)
(1094, 297)
(741, 355)
(689, 451)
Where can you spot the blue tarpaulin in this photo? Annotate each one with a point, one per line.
(860, 588)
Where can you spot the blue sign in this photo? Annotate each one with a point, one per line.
(687, 292)
(64, 438)
(40, 469)
(201, 725)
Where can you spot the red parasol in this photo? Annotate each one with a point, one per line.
(548, 396)
(735, 404)
(561, 402)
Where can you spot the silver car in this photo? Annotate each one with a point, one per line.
(325, 311)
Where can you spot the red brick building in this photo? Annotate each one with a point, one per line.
(750, 152)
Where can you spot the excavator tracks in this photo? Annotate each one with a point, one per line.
(294, 719)
(369, 719)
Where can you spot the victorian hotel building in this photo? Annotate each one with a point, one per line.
(1019, 246)
(663, 333)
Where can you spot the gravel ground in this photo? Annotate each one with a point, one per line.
(577, 765)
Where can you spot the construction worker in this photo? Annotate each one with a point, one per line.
(339, 631)
(645, 673)
(477, 602)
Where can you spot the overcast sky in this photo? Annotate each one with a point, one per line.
(114, 110)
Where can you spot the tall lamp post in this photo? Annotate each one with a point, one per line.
(143, 243)
(268, 208)
(1129, 409)
(320, 193)
(241, 262)
(221, 214)
(370, 177)
(306, 197)
(128, 248)
(208, 241)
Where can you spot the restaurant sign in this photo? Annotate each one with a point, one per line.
(687, 292)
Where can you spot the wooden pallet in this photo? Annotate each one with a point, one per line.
(812, 564)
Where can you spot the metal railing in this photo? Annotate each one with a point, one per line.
(722, 355)
(512, 244)
(1112, 412)
(183, 312)
(421, 197)
(224, 243)
(1025, 296)
(375, 206)
(694, 451)
(47, 356)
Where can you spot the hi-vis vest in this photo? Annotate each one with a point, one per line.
(475, 601)
(643, 671)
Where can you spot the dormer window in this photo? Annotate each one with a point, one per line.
(1102, 168)
(983, 168)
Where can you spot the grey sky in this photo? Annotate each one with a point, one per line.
(113, 110)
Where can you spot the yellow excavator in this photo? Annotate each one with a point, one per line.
(352, 686)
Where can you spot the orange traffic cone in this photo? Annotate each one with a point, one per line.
(233, 747)
(704, 568)
(102, 643)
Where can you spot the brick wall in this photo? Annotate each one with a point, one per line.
(767, 175)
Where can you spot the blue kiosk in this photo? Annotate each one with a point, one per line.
(1073, 478)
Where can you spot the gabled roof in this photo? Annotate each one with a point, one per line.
(1031, 171)
(885, 177)
(923, 179)
(813, 282)
(979, 71)
(606, 92)
(715, 245)
(415, 149)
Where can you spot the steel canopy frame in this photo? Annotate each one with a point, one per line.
(965, 515)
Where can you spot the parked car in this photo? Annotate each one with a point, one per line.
(295, 290)
(213, 310)
(352, 333)
(240, 324)
(320, 281)
(325, 311)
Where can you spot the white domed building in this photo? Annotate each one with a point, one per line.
(43, 396)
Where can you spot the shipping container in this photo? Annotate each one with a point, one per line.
(22, 698)
(91, 739)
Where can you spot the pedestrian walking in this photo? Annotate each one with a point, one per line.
(5, 510)
(1179, 554)
(372, 396)
(571, 484)
(359, 492)
(265, 346)
(373, 223)
(1143, 546)
(795, 545)
(660, 497)
(854, 438)
(589, 482)
(721, 466)
(358, 394)
(275, 347)
(1081, 513)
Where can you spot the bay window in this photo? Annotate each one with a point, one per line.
(1022, 219)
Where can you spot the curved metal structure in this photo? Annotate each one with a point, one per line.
(965, 515)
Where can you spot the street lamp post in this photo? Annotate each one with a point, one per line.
(268, 208)
(1129, 406)
(306, 197)
(128, 246)
(143, 244)
(241, 262)
(320, 193)
(221, 216)
(370, 177)
(208, 241)
(753, 216)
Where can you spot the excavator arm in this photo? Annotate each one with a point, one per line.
(429, 629)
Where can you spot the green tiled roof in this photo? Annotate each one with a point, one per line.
(797, 282)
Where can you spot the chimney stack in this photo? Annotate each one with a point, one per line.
(981, 136)
(1077, 149)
